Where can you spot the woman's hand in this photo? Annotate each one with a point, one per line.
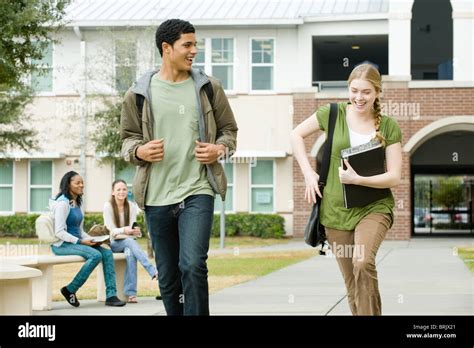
(311, 179)
(128, 231)
(137, 232)
(348, 176)
(89, 242)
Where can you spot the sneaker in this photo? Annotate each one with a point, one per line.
(114, 301)
(155, 276)
(70, 297)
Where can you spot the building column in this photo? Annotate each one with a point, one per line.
(399, 39)
(463, 40)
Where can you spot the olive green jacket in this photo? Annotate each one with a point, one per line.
(216, 125)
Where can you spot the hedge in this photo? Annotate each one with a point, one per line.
(23, 225)
(256, 225)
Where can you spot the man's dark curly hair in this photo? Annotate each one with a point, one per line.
(170, 31)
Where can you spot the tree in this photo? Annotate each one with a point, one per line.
(107, 135)
(449, 194)
(26, 26)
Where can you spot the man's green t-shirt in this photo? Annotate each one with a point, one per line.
(333, 213)
(179, 175)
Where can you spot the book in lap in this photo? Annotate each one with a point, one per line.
(367, 160)
(99, 239)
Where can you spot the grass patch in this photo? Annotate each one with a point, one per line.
(467, 255)
(230, 242)
(225, 270)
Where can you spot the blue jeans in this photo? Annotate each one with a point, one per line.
(92, 255)
(133, 252)
(180, 236)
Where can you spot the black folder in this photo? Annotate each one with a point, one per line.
(367, 160)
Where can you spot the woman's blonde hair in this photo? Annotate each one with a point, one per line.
(369, 73)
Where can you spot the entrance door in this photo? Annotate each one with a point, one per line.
(442, 204)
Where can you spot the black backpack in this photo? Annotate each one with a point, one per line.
(207, 88)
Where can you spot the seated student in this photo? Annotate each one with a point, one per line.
(68, 227)
(119, 217)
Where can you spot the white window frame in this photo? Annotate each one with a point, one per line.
(211, 64)
(251, 65)
(262, 186)
(38, 186)
(233, 185)
(208, 59)
(12, 186)
(116, 65)
(206, 67)
(53, 75)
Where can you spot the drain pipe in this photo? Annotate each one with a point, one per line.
(82, 106)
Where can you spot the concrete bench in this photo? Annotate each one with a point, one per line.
(42, 286)
(16, 289)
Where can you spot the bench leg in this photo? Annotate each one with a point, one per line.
(15, 297)
(120, 266)
(43, 289)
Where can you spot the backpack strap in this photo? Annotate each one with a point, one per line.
(328, 148)
(139, 99)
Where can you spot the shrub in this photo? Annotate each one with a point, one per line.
(18, 225)
(23, 225)
(256, 225)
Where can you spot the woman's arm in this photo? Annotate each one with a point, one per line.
(304, 129)
(109, 221)
(393, 155)
(61, 211)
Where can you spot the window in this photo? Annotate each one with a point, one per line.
(42, 78)
(261, 183)
(262, 64)
(223, 62)
(126, 174)
(41, 180)
(6, 186)
(229, 199)
(200, 59)
(125, 64)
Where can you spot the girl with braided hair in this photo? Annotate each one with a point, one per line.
(357, 231)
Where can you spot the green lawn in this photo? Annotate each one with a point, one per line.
(230, 242)
(224, 269)
(467, 255)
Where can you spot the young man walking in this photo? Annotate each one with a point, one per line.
(176, 140)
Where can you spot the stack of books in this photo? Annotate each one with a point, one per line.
(367, 160)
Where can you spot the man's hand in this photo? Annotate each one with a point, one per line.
(153, 151)
(207, 153)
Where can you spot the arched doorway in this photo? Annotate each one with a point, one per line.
(442, 179)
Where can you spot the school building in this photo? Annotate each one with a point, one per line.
(278, 61)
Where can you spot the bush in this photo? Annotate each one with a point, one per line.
(18, 225)
(256, 225)
(23, 225)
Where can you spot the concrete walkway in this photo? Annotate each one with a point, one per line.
(423, 276)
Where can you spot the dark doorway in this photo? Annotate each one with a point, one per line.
(334, 57)
(442, 182)
(432, 40)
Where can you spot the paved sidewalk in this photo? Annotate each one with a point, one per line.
(418, 277)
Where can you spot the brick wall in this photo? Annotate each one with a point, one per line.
(433, 104)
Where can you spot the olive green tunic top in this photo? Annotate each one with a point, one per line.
(333, 213)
